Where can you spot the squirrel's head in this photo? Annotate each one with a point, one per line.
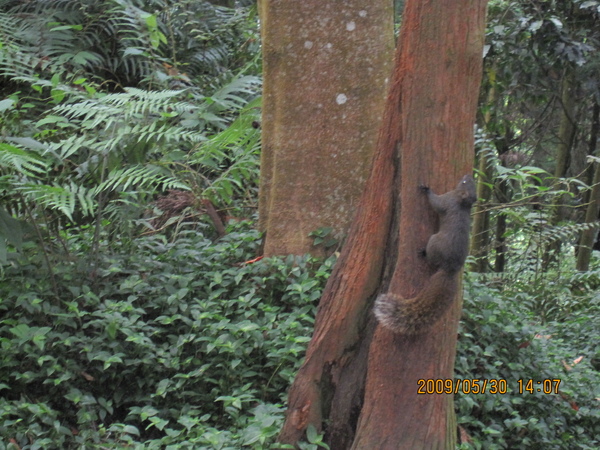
(467, 191)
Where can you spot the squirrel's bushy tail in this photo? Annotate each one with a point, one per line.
(416, 315)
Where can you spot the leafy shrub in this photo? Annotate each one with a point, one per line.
(503, 339)
(168, 343)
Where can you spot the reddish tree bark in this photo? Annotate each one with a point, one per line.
(359, 381)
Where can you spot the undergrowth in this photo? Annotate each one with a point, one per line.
(504, 338)
(187, 342)
(162, 345)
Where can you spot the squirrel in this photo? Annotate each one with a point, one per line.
(446, 252)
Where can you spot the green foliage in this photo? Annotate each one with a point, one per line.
(527, 197)
(107, 155)
(118, 342)
(502, 339)
(324, 236)
(315, 440)
(172, 344)
(210, 39)
(126, 42)
(76, 146)
(533, 320)
(114, 335)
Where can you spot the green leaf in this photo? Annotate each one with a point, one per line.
(6, 104)
(24, 162)
(51, 119)
(21, 331)
(111, 330)
(311, 434)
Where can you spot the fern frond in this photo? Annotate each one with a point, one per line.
(165, 133)
(590, 279)
(139, 101)
(73, 144)
(22, 161)
(234, 179)
(65, 198)
(566, 231)
(138, 177)
(233, 155)
(227, 97)
(132, 104)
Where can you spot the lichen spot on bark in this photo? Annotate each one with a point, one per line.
(341, 99)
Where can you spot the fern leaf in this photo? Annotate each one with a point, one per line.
(54, 197)
(22, 161)
(138, 177)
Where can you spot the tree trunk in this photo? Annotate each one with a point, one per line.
(566, 128)
(440, 71)
(325, 67)
(480, 238)
(500, 245)
(502, 193)
(566, 137)
(358, 383)
(591, 215)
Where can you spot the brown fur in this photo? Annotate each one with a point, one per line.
(446, 251)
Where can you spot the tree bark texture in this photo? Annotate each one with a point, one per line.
(326, 65)
(439, 71)
(329, 385)
(358, 383)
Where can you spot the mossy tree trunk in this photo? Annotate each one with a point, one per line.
(325, 67)
(358, 383)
